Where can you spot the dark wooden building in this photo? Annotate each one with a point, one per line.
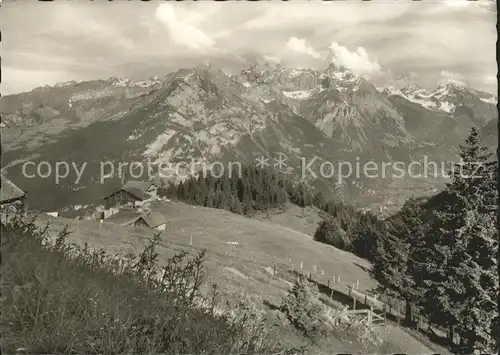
(132, 194)
(12, 198)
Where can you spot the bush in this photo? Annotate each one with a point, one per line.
(60, 298)
(303, 309)
(330, 232)
(364, 240)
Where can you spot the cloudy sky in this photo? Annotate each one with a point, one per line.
(426, 42)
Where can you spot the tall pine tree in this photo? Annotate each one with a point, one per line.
(394, 265)
(462, 251)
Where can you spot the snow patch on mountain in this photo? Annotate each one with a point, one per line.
(118, 82)
(155, 80)
(422, 97)
(345, 76)
(295, 73)
(446, 107)
(303, 94)
(491, 100)
(67, 83)
(300, 94)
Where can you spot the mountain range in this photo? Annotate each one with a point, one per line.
(204, 114)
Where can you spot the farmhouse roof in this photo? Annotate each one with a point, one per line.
(10, 192)
(123, 217)
(154, 219)
(135, 188)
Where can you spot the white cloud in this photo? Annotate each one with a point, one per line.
(487, 5)
(358, 61)
(182, 32)
(300, 46)
(491, 79)
(457, 3)
(450, 77)
(134, 39)
(19, 80)
(271, 59)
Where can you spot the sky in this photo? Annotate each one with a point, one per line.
(388, 41)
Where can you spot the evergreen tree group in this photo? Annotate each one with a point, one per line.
(249, 189)
(445, 261)
(244, 191)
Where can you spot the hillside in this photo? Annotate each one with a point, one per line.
(59, 298)
(252, 269)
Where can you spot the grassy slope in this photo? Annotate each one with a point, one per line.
(304, 220)
(55, 304)
(259, 242)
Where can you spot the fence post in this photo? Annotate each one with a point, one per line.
(357, 284)
(370, 315)
(366, 299)
(301, 265)
(328, 283)
(353, 304)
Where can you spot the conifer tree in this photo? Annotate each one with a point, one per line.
(394, 265)
(461, 252)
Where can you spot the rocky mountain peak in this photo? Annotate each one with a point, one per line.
(204, 113)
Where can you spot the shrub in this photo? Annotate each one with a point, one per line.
(364, 334)
(303, 310)
(330, 232)
(364, 240)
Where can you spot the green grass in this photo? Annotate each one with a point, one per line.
(210, 229)
(250, 274)
(60, 298)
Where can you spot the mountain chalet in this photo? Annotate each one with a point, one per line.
(130, 206)
(132, 194)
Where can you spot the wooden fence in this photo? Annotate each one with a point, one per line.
(380, 307)
(372, 310)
